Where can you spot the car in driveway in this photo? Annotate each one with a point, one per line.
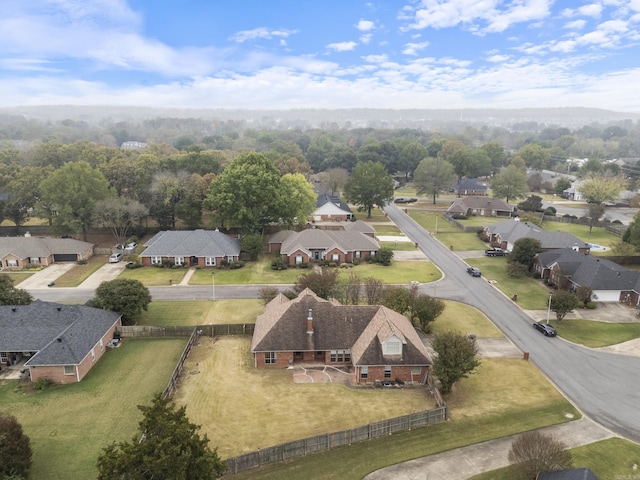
(545, 328)
(495, 252)
(115, 257)
(474, 271)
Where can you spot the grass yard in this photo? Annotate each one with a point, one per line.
(399, 272)
(400, 246)
(154, 276)
(227, 397)
(609, 459)
(201, 312)
(388, 230)
(459, 317)
(377, 215)
(79, 273)
(478, 414)
(427, 220)
(480, 221)
(598, 236)
(69, 425)
(532, 294)
(461, 241)
(596, 334)
(18, 277)
(257, 273)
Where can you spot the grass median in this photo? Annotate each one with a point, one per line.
(79, 273)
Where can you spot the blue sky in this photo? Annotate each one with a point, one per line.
(282, 54)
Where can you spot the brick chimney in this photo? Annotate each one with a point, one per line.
(310, 322)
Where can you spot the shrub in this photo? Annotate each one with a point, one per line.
(82, 261)
(323, 263)
(236, 265)
(224, 262)
(278, 264)
(356, 262)
(133, 265)
(550, 211)
(346, 265)
(42, 384)
(517, 270)
(591, 305)
(459, 216)
(369, 258)
(333, 264)
(166, 263)
(303, 265)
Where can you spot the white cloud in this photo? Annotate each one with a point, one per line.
(366, 38)
(342, 46)
(498, 58)
(413, 48)
(365, 25)
(259, 33)
(375, 58)
(575, 25)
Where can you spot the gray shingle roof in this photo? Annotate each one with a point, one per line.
(571, 474)
(187, 243)
(38, 326)
(486, 203)
(326, 198)
(361, 328)
(512, 230)
(316, 239)
(469, 184)
(597, 273)
(360, 226)
(24, 247)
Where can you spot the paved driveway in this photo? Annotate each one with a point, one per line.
(107, 272)
(42, 278)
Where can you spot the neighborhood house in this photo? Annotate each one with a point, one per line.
(331, 209)
(60, 342)
(506, 233)
(372, 342)
(28, 251)
(204, 248)
(481, 206)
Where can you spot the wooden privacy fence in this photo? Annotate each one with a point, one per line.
(328, 441)
(173, 381)
(185, 331)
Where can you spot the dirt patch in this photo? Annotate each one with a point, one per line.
(320, 375)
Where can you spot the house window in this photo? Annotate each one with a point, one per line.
(12, 263)
(364, 372)
(69, 370)
(4, 358)
(157, 260)
(357, 253)
(387, 371)
(93, 355)
(35, 260)
(335, 257)
(179, 260)
(340, 356)
(416, 370)
(210, 261)
(230, 258)
(298, 259)
(101, 345)
(270, 358)
(393, 346)
(334, 356)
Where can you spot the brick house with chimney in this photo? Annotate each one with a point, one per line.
(372, 342)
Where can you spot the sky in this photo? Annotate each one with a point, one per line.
(291, 54)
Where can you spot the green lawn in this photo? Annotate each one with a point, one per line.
(459, 317)
(399, 272)
(256, 273)
(609, 459)
(402, 246)
(201, 312)
(377, 215)
(596, 334)
(598, 236)
(79, 273)
(532, 295)
(427, 220)
(154, 276)
(69, 425)
(18, 277)
(388, 230)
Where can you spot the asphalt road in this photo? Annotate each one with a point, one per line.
(604, 386)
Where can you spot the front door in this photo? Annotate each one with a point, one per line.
(193, 261)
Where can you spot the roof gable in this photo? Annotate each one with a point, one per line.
(513, 230)
(317, 239)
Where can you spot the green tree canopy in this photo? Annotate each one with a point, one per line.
(298, 199)
(369, 186)
(123, 295)
(73, 191)
(10, 295)
(524, 250)
(510, 183)
(456, 357)
(562, 302)
(600, 188)
(15, 449)
(168, 446)
(432, 176)
(323, 283)
(534, 156)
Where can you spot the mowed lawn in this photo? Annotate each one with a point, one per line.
(79, 273)
(201, 312)
(69, 425)
(243, 409)
(462, 318)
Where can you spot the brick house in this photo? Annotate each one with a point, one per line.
(570, 270)
(482, 206)
(331, 209)
(372, 342)
(469, 186)
(28, 251)
(204, 248)
(62, 342)
(340, 246)
(504, 234)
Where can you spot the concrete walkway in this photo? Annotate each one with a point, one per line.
(463, 463)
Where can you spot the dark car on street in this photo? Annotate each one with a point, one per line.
(474, 272)
(545, 328)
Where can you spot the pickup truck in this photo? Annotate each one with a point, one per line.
(495, 252)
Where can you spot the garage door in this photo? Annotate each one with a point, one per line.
(65, 257)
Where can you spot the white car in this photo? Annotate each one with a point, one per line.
(115, 257)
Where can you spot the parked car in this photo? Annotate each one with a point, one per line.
(474, 272)
(545, 328)
(115, 258)
(495, 252)
(131, 247)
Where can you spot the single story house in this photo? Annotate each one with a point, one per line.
(469, 186)
(62, 342)
(331, 209)
(481, 206)
(504, 234)
(204, 248)
(360, 226)
(570, 270)
(28, 251)
(314, 244)
(372, 342)
(573, 192)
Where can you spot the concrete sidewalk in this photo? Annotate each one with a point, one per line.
(463, 463)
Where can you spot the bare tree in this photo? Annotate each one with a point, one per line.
(534, 452)
(267, 294)
(373, 289)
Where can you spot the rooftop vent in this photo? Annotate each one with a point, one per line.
(59, 339)
(13, 309)
(58, 308)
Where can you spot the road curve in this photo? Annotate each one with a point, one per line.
(604, 386)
